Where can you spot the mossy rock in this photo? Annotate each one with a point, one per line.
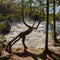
(5, 27)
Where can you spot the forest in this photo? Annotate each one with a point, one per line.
(30, 29)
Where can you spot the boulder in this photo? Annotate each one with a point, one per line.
(5, 27)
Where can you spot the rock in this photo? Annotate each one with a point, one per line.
(6, 27)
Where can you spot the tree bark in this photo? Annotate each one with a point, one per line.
(46, 40)
(55, 39)
(47, 23)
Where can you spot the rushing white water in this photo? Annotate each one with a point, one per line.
(36, 39)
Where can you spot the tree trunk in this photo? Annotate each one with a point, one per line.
(23, 10)
(46, 40)
(47, 23)
(55, 39)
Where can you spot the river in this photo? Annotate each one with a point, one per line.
(36, 39)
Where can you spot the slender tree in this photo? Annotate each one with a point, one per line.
(55, 39)
(47, 23)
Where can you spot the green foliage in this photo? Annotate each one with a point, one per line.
(58, 2)
(1, 17)
(51, 34)
(58, 15)
(3, 9)
(26, 11)
(2, 26)
(9, 12)
(51, 19)
(15, 9)
(38, 15)
(8, 16)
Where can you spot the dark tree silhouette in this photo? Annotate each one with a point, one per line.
(55, 39)
(47, 23)
(51, 54)
(46, 42)
(22, 34)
